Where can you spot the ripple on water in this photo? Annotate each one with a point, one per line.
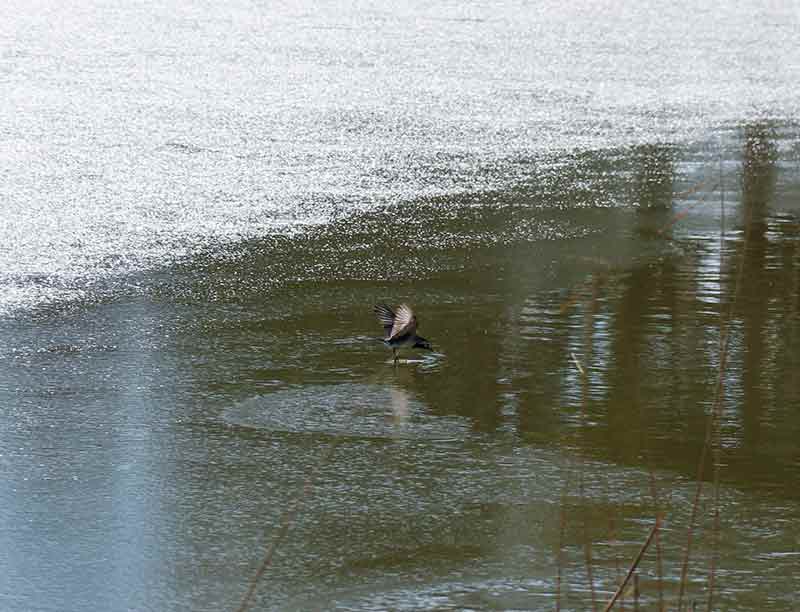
(462, 593)
(346, 410)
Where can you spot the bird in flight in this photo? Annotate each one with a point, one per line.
(400, 328)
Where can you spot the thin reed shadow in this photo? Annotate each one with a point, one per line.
(589, 314)
(715, 535)
(286, 522)
(711, 438)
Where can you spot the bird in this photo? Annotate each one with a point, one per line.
(400, 328)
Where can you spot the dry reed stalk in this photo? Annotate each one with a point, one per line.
(634, 565)
(659, 559)
(589, 574)
(612, 534)
(560, 557)
(578, 365)
(568, 479)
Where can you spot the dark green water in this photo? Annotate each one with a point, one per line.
(152, 441)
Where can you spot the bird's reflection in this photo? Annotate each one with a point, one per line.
(399, 402)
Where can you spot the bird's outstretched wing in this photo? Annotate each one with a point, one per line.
(386, 316)
(404, 322)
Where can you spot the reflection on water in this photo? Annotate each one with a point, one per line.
(151, 444)
(368, 410)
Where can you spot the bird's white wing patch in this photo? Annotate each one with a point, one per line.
(404, 322)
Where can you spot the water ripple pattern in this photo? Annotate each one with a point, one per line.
(349, 410)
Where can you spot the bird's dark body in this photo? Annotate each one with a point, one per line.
(408, 339)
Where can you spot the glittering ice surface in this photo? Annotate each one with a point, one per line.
(139, 135)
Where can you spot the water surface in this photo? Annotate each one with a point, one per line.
(203, 202)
